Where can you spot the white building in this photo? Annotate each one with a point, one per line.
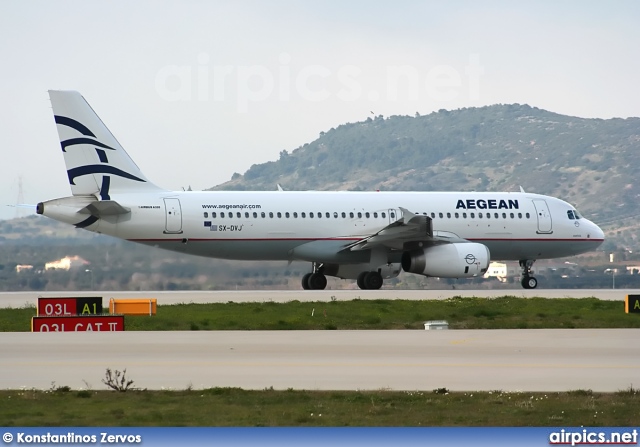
(66, 263)
(501, 271)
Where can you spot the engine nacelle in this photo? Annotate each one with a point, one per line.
(459, 260)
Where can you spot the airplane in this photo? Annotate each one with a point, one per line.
(363, 236)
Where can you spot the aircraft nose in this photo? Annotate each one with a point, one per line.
(596, 232)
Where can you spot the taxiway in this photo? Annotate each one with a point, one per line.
(473, 360)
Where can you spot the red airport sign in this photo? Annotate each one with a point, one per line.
(78, 323)
(65, 306)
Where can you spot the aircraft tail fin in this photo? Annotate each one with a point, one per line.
(96, 162)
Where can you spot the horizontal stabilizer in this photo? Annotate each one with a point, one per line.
(22, 205)
(104, 208)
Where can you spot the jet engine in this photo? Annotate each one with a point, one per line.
(457, 260)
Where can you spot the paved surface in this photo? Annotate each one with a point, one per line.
(20, 299)
(509, 360)
(528, 360)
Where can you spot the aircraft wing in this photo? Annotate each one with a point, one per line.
(410, 228)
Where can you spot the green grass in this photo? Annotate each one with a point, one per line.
(461, 313)
(237, 407)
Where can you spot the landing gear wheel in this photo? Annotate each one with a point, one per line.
(529, 282)
(360, 280)
(373, 280)
(317, 281)
(305, 281)
(369, 280)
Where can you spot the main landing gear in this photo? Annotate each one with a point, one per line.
(315, 280)
(528, 281)
(369, 280)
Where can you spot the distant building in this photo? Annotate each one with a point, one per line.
(23, 267)
(66, 263)
(501, 271)
(633, 269)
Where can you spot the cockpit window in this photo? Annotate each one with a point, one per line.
(573, 215)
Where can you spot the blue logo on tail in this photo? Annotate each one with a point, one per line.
(102, 156)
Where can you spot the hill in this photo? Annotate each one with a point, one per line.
(588, 162)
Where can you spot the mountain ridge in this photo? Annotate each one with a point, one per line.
(586, 161)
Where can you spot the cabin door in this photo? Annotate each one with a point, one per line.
(544, 216)
(173, 216)
(394, 215)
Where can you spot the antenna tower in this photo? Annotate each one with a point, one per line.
(20, 201)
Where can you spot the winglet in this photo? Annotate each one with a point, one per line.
(406, 215)
(521, 189)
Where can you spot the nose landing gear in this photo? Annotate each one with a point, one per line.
(528, 281)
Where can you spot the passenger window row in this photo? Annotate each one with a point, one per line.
(480, 215)
(303, 215)
(360, 215)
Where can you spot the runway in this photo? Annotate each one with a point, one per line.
(21, 299)
(464, 360)
(460, 360)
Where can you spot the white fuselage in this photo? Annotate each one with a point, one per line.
(367, 236)
(271, 225)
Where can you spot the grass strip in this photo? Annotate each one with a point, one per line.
(61, 406)
(506, 312)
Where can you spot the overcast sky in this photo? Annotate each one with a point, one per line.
(198, 90)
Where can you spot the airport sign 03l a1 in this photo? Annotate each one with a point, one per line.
(67, 306)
